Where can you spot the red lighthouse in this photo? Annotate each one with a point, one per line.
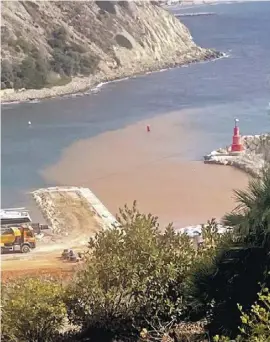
(236, 140)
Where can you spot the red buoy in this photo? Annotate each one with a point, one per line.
(148, 128)
(236, 139)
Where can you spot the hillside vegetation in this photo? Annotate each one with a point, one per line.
(46, 43)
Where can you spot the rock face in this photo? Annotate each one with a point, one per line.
(113, 39)
(256, 153)
(257, 144)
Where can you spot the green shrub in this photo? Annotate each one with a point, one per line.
(32, 310)
(231, 278)
(7, 75)
(33, 72)
(58, 39)
(218, 286)
(68, 59)
(88, 64)
(133, 278)
(65, 64)
(255, 324)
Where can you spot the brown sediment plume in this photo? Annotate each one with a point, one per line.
(152, 168)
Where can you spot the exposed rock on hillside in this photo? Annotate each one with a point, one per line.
(46, 43)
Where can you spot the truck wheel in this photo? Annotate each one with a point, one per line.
(25, 249)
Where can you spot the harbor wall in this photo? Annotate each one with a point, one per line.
(255, 155)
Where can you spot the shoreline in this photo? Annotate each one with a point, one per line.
(194, 14)
(84, 85)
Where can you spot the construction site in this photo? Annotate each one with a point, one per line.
(58, 248)
(72, 215)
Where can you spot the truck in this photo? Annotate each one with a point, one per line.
(17, 239)
(14, 216)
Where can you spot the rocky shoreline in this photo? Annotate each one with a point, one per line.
(194, 14)
(254, 157)
(81, 84)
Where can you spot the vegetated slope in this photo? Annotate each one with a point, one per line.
(47, 43)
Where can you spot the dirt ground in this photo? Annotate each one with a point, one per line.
(74, 224)
(37, 264)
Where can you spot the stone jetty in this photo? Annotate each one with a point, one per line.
(256, 151)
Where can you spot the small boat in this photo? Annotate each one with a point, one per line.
(14, 216)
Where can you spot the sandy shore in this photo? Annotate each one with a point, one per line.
(124, 165)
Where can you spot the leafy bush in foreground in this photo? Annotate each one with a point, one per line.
(134, 278)
(231, 279)
(32, 310)
(252, 213)
(255, 325)
(139, 280)
(235, 272)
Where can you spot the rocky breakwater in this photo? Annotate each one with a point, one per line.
(256, 152)
(51, 48)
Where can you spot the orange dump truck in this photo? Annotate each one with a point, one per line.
(17, 239)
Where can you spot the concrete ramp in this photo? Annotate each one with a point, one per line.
(70, 210)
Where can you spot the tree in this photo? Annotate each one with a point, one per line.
(252, 214)
(65, 62)
(134, 278)
(7, 75)
(32, 310)
(58, 39)
(218, 286)
(33, 71)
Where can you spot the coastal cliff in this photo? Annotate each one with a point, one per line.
(53, 48)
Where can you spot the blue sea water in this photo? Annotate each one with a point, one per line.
(237, 86)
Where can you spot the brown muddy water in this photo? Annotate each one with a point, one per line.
(93, 140)
(131, 164)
